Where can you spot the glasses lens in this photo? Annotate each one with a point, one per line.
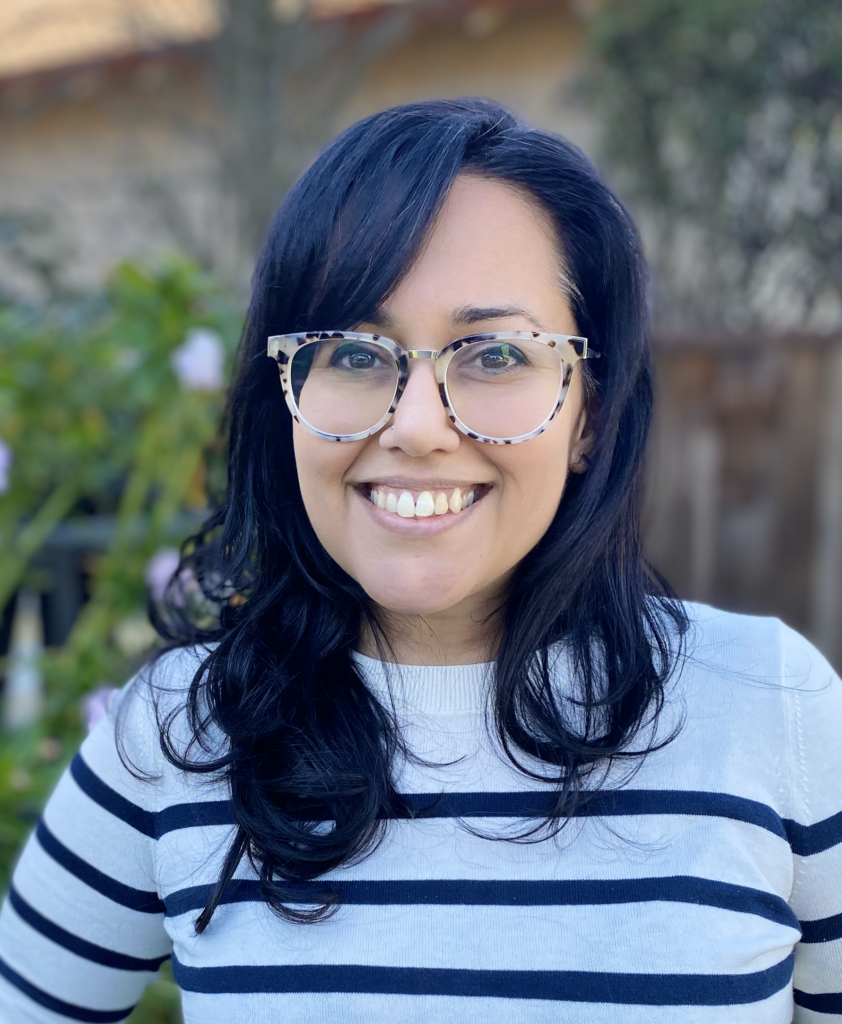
(504, 389)
(343, 386)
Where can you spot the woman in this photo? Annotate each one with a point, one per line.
(450, 752)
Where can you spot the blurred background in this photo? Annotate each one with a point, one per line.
(143, 147)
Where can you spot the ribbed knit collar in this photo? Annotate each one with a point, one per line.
(431, 689)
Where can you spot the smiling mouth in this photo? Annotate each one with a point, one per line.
(421, 504)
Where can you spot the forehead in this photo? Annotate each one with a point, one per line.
(492, 245)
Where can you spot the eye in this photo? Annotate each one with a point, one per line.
(360, 360)
(356, 357)
(500, 356)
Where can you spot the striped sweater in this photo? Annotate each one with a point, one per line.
(706, 890)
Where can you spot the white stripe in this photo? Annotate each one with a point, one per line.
(818, 967)
(72, 905)
(65, 975)
(433, 848)
(102, 837)
(636, 938)
(17, 1008)
(812, 896)
(802, 1016)
(377, 1009)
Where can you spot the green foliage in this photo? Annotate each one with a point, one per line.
(722, 121)
(161, 1002)
(98, 421)
(93, 412)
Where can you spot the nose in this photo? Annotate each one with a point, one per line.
(420, 424)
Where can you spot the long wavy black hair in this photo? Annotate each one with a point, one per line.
(308, 751)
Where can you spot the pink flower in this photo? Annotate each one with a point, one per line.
(185, 583)
(160, 570)
(95, 704)
(5, 465)
(199, 363)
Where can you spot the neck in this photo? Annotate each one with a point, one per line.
(466, 634)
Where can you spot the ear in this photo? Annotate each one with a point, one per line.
(581, 444)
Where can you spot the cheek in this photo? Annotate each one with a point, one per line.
(321, 467)
(535, 474)
(534, 484)
(536, 471)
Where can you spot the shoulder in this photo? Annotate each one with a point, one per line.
(128, 739)
(755, 670)
(780, 694)
(158, 689)
(166, 677)
(729, 640)
(758, 711)
(754, 649)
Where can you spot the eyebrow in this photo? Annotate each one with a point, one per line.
(383, 318)
(465, 316)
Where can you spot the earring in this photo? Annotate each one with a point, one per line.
(579, 462)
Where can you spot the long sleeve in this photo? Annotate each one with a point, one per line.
(816, 833)
(81, 929)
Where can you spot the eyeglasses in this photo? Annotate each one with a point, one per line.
(499, 388)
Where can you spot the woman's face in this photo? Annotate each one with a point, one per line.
(491, 263)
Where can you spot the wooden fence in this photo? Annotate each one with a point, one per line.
(743, 503)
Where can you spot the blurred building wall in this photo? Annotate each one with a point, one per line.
(117, 157)
(524, 56)
(108, 162)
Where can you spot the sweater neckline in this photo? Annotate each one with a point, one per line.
(431, 689)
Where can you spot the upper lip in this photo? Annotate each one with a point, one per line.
(409, 484)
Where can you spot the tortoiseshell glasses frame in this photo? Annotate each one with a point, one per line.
(569, 349)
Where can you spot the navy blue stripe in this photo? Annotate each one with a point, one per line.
(522, 804)
(81, 947)
(125, 895)
(70, 1010)
(620, 802)
(823, 929)
(806, 840)
(544, 893)
(830, 1002)
(566, 986)
(93, 787)
(150, 823)
(200, 814)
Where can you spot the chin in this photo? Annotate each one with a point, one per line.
(406, 599)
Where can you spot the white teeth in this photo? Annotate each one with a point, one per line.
(429, 502)
(425, 506)
(406, 506)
